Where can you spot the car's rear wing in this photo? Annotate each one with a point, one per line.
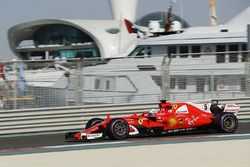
(234, 108)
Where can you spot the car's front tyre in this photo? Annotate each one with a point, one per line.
(118, 129)
(93, 122)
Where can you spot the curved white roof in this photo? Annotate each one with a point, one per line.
(97, 29)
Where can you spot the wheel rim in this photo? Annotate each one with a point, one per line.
(120, 129)
(229, 123)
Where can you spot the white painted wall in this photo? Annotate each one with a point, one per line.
(124, 8)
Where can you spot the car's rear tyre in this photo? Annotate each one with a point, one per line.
(118, 129)
(226, 122)
(93, 122)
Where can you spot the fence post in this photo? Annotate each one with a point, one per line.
(248, 43)
(67, 75)
(247, 64)
(212, 83)
(79, 84)
(165, 76)
(14, 67)
(247, 75)
(82, 77)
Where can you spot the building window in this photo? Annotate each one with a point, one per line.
(157, 79)
(172, 50)
(84, 54)
(149, 51)
(200, 84)
(233, 57)
(141, 52)
(184, 51)
(172, 83)
(107, 85)
(244, 55)
(243, 84)
(182, 83)
(220, 57)
(215, 84)
(97, 84)
(212, 84)
(196, 49)
(60, 34)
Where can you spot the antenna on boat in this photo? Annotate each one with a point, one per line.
(213, 16)
(169, 17)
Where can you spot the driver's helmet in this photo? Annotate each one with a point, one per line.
(214, 102)
(152, 112)
(163, 101)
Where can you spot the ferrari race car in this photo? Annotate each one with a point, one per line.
(169, 117)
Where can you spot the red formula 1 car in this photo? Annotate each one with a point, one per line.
(170, 117)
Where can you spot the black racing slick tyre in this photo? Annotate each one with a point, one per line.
(118, 129)
(226, 122)
(93, 122)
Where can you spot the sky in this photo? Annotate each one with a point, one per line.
(13, 12)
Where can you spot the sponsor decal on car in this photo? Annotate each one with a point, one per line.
(94, 135)
(232, 108)
(133, 130)
(172, 121)
(205, 107)
(175, 106)
(192, 120)
(181, 121)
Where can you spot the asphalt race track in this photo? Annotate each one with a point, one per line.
(55, 142)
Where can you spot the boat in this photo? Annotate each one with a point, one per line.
(200, 62)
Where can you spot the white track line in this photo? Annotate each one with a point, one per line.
(87, 144)
(122, 142)
(233, 135)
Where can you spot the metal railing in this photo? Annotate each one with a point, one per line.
(74, 82)
(74, 118)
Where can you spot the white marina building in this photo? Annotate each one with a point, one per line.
(48, 39)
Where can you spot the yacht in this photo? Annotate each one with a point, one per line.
(201, 62)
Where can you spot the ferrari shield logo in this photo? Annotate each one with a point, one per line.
(140, 121)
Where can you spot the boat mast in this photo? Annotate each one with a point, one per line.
(213, 16)
(169, 18)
